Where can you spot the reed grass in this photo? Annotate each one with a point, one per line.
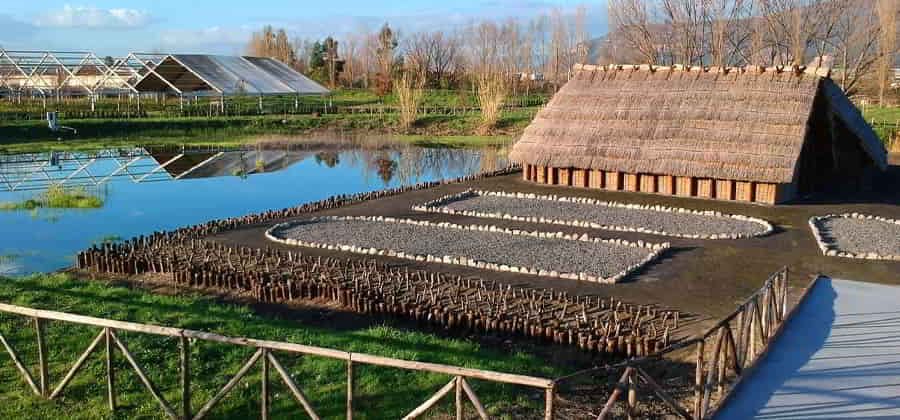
(58, 197)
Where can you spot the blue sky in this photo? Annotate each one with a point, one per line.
(116, 27)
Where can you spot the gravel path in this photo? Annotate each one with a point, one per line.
(862, 236)
(601, 259)
(613, 217)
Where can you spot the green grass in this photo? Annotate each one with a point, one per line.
(890, 114)
(380, 392)
(885, 119)
(58, 197)
(31, 136)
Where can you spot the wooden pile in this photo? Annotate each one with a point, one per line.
(465, 305)
(469, 306)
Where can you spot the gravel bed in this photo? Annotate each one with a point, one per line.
(658, 220)
(487, 247)
(858, 236)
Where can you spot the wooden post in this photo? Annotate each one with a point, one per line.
(264, 404)
(698, 386)
(42, 357)
(185, 378)
(459, 400)
(549, 396)
(632, 397)
(784, 293)
(751, 340)
(349, 390)
(739, 345)
(110, 372)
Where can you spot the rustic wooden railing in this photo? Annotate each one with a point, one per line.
(723, 353)
(264, 355)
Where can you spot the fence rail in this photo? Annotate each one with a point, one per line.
(723, 353)
(263, 356)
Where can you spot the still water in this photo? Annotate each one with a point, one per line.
(145, 192)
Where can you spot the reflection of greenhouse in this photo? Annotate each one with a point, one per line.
(37, 171)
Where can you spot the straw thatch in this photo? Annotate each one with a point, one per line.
(746, 124)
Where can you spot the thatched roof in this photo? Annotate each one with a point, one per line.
(740, 124)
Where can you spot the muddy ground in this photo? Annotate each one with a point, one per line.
(703, 277)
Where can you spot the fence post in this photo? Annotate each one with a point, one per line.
(632, 396)
(42, 357)
(349, 389)
(698, 387)
(459, 400)
(264, 404)
(110, 373)
(784, 294)
(185, 378)
(549, 397)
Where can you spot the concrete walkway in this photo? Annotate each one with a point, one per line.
(838, 358)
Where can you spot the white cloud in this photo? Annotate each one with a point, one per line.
(213, 39)
(93, 17)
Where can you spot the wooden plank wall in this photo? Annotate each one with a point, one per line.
(719, 189)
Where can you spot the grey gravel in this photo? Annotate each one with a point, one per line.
(862, 236)
(561, 255)
(659, 221)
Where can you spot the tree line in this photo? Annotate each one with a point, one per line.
(859, 35)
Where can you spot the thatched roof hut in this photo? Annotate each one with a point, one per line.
(752, 134)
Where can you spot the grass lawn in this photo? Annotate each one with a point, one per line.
(885, 119)
(430, 130)
(380, 392)
(889, 114)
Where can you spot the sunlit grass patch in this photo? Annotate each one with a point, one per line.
(57, 197)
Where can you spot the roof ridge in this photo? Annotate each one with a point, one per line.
(824, 72)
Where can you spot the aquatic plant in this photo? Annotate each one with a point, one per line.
(58, 197)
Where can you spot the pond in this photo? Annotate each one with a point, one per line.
(151, 190)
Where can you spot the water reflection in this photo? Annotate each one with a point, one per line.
(151, 190)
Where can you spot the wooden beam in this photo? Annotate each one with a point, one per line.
(144, 378)
(421, 409)
(78, 363)
(473, 398)
(658, 390)
(350, 383)
(614, 396)
(110, 371)
(21, 367)
(549, 399)
(39, 329)
(228, 386)
(298, 393)
(185, 350)
(264, 391)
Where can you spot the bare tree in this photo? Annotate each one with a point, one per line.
(272, 43)
(887, 16)
(631, 21)
(436, 52)
(351, 59)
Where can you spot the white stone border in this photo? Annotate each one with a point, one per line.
(829, 248)
(440, 206)
(655, 249)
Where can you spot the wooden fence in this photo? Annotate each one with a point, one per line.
(723, 353)
(264, 355)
